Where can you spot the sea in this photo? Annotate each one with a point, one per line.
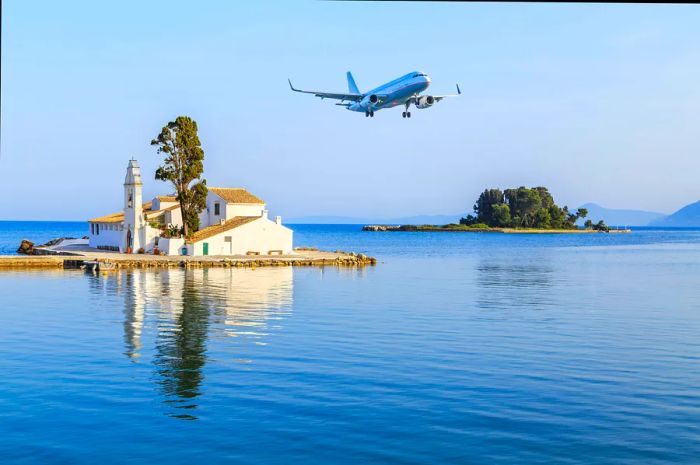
(456, 348)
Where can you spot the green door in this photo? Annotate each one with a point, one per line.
(206, 248)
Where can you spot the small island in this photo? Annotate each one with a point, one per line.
(519, 210)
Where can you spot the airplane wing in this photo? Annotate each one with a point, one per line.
(440, 97)
(351, 97)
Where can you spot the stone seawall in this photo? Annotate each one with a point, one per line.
(123, 261)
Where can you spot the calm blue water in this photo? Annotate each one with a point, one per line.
(456, 348)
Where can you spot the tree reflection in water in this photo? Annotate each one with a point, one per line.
(171, 315)
(181, 350)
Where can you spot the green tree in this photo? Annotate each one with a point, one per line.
(468, 220)
(183, 167)
(542, 219)
(501, 215)
(546, 199)
(484, 207)
(557, 217)
(523, 203)
(523, 207)
(572, 218)
(601, 226)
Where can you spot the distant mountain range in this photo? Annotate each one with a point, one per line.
(619, 217)
(687, 216)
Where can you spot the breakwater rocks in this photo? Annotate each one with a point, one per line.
(380, 227)
(27, 247)
(104, 262)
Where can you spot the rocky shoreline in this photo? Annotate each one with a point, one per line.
(27, 247)
(426, 228)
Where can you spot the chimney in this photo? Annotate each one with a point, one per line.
(278, 219)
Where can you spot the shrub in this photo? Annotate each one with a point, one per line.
(171, 231)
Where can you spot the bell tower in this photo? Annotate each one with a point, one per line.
(132, 237)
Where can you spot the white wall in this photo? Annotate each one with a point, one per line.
(112, 235)
(171, 246)
(107, 237)
(207, 217)
(173, 217)
(261, 235)
(149, 241)
(159, 205)
(242, 209)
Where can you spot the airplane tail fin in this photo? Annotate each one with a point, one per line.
(352, 87)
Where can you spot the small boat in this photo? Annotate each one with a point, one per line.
(94, 266)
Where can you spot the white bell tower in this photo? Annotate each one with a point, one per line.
(133, 234)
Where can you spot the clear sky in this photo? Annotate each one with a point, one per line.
(600, 103)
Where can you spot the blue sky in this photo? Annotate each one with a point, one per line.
(600, 103)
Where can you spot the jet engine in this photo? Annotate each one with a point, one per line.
(373, 99)
(425, 101)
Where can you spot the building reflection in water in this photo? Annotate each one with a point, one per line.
(180, 309)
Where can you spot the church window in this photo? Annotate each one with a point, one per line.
(131, 201)
(97, 229)
(217, 208)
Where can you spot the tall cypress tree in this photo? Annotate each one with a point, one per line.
(183, 167)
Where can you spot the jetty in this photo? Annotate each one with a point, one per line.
(109, 261)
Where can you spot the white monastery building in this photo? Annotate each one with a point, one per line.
(234, 222)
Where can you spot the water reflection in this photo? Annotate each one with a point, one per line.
(182, 311)
(510, 282)
(181, 348)
(134, 310)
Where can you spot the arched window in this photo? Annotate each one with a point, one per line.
(131, 199)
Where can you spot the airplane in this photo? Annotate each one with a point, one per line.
(401, 91)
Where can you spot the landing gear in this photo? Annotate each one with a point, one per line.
(369, 113)
(407, 114)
